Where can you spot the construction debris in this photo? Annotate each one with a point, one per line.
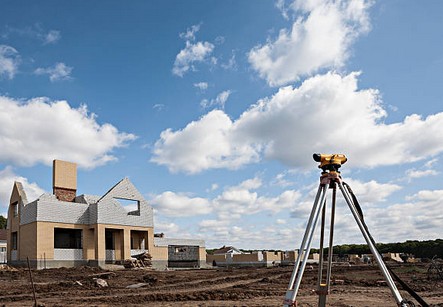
(142, 260)
(101, 283)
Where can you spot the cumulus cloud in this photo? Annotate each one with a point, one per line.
(372, 191)
(176, 204)
(40, 130)
(7, 178)
(232, 203)
(414, 173)
(58, 72)
(9, 61)
(240, 200)
(320, 39)
(425, 171)
(219, 101)
(194, 52)
(326, 113)
(203, 144)
(419, 217)
(191, 54)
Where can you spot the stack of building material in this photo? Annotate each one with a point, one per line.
(139, 261)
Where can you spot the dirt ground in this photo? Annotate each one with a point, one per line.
(353, 286)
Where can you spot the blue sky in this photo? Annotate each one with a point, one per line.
(214, 108)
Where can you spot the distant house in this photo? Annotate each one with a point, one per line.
(233, 257)
(3, 245)
(227, 250)
(392, 257)
(63, 229)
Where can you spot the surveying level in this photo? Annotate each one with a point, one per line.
(330, 162)
(330, 178)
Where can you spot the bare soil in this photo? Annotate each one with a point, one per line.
(352, 286)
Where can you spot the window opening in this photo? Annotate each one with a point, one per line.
(67, 238)
(109, 239)
(15, 209)
(14, 240)
(131, 206)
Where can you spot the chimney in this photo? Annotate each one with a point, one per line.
(64, 180)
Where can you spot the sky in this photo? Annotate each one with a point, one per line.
(213, 110)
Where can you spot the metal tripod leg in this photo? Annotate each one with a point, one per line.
(373, 249)
(305, 247)
(324, 285)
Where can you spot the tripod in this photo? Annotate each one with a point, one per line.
(330, 179)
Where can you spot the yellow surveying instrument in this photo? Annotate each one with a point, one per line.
(330, 178)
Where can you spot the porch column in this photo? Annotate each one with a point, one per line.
(126, 243)
(100, 253)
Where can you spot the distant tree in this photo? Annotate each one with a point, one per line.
(3, 222)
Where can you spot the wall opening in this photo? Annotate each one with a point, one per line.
(14, 207)
(67, 238)
(131, 206)
(14, 240)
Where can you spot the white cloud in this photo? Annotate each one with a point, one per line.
(7, 178)
(413, 173)
(231, 64)
(219, 101)
(173, 204)
(371, 191)
(158, 107)
(9, 61)
(201, 85)
(36, 32)
(232, 203)
(203, 144)
(425, 170)
(327, 113)
(240, 200)
(167, 228)
(281, 181)
(419, 218)
(280, 221)
(282, 7)
(193, 53)
(189, 35)
(58, 72)
(52, 37)
(40, 130)
(319, 40)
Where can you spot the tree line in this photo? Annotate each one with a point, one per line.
(420, 249)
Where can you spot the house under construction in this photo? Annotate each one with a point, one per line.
(63, 229)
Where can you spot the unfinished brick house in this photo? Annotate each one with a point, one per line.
(63, 229)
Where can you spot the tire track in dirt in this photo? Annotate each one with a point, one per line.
(161, 292)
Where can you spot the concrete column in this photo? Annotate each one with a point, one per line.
(99, 234)
(126, 243)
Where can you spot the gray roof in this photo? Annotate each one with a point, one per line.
(178, 242)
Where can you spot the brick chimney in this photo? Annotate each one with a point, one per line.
(64, 180)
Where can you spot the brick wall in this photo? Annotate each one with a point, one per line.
(65, 194)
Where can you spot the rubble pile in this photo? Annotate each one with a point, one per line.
(138, 261)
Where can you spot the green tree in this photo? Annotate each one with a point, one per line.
(3, 222)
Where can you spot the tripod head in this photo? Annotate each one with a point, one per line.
(330, 162)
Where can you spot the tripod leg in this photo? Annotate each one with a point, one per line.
(323, 287)
(372, 247)
(305, 247)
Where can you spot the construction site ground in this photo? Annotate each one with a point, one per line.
(356, 285)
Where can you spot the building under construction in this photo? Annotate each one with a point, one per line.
(66, 229)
